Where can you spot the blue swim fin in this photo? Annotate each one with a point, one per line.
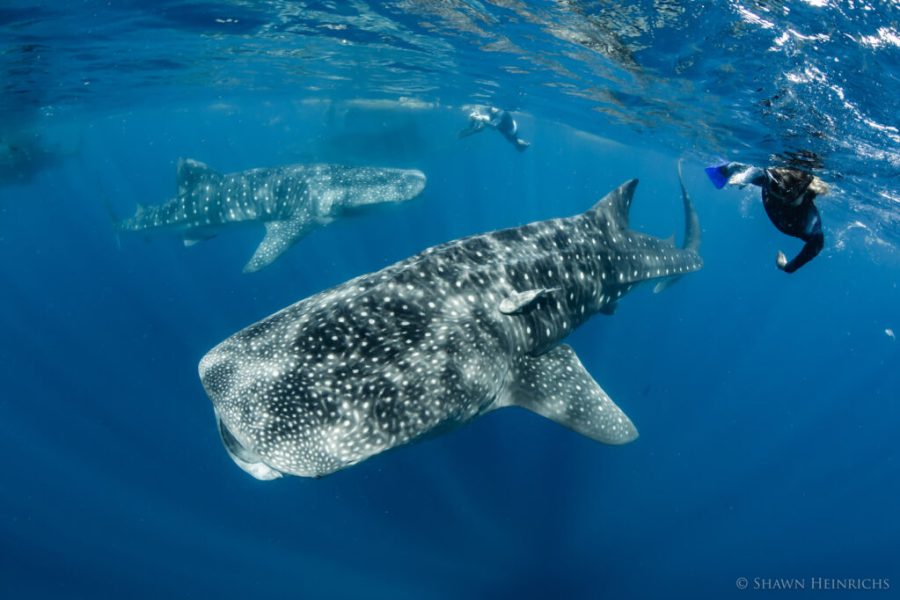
(716, 174)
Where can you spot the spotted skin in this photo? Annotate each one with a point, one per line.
(422, 346)
(290, 201)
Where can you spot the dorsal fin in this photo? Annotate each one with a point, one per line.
(618, 202)
(190, 172)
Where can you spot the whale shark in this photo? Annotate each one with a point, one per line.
(289, 200)
(430, 343)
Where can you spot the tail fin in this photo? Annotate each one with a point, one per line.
(113, 217)
(691, 229)
(691, 220)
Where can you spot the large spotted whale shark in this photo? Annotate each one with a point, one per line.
(432, 342)
(290, 201)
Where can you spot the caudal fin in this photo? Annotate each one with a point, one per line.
(691, 229)
(691, 220)
(114, 219)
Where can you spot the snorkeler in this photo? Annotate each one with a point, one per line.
(787, 196)
(500, 120)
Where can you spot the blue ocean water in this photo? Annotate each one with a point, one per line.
(767, 403)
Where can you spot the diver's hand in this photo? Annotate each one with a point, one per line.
(781, 260)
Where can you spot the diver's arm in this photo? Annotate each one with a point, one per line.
(811, 249)
(735, 173)
(477, 121)
(741, 174)
(469, 131)
(815, 241)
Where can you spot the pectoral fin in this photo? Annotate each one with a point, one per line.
(664, 284)
(196, 239)
(609, 309)
(555, 385)
(280, 235)
(518, 303)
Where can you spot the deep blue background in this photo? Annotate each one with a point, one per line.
(767, 404)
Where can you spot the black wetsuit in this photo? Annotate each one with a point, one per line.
(500, 120)
(789, 203)
(507, 126)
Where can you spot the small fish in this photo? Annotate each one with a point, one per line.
(890, 333)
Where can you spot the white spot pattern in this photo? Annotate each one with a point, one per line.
(422, 345)
(289, 200)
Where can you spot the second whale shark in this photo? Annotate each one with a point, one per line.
(432, 342)
(289, 200)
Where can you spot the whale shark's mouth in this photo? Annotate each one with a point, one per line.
(415, 183)
(243, 457)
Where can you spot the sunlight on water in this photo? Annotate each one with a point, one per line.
(822, 95)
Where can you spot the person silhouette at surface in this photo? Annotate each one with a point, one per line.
(500, 120)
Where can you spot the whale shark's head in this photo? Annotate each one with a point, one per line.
(358, 187)
(239, 423)
(275, 419)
